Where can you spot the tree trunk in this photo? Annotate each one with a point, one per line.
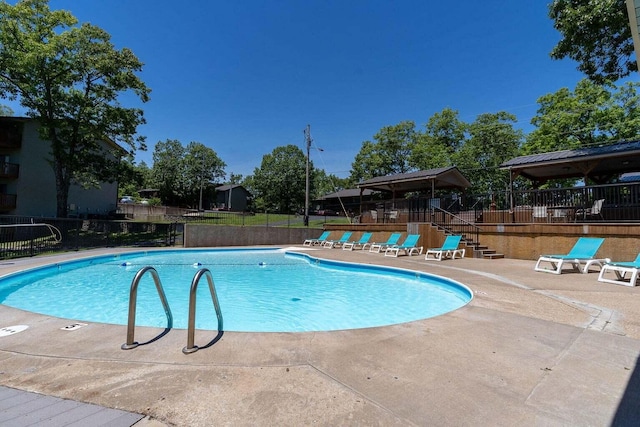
(62, 189)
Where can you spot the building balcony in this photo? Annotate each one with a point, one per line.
(7, 202)
(9, 170)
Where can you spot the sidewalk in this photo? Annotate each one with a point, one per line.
(530, 349)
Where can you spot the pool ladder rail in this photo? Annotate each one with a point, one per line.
(191, 328)
(190, 348)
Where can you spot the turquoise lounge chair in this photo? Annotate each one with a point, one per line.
(582, 254)
(409, 246)
(337, 243)
(377, 247)
(359, 244)
(449, 249)
(621, 269)
(318, 241)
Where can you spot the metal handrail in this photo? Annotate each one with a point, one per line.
(56, 234)
(191, 348)
(456, 224)
(133, 295)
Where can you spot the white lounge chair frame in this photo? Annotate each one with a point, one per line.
(578, 264)
(357, 244)
(329, 244)
(620, 272)
(621, 269)
(378, 247)
(581, 257)
(408, 250)
(445, 252)
(316, 241)
(439, 254)
(393, 251)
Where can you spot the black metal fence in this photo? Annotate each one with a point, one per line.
(30, 236)
(258, 219)
(620, 203)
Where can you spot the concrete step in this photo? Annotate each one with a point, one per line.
(493, 256)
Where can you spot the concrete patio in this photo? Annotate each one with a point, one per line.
(530, 349)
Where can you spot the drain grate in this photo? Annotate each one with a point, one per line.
(10, 330)
(73, 326)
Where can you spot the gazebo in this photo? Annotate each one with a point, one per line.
(431, 179)
(601, 167)
(598, 163)
(424, 181)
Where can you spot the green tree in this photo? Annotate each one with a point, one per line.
(596, 34)
(323, 183)
(6, 111)
(167, 172)
(201, 168)
(389, 154)
(588, 115)
(235, 178)
(132, 177)
(280, 181)
(69, 78)
(180, 173)
(492, 141)
(444, 135)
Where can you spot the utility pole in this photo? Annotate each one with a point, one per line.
(307, 139)
(201, 179)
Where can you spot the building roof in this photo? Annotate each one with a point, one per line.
(598, 163)
(349, 192)
(447, 177)
(228, 187)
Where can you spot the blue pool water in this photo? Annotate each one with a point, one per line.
(258, 290)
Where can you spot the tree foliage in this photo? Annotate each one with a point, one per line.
(389, 154)
(69, 78)
(444, 135)
(492, 141)
(589, 114)
(478, 148)
(596, 34)
(166, 173)
(133, 177)
(280, 182)
(323, 184)
(180, 172)
(6, 111)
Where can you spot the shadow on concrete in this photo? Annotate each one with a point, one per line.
(628, 413)
(127, 346)
(214, 340)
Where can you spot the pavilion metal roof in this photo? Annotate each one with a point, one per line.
(447, 177)
(598, 163)
(348, 192)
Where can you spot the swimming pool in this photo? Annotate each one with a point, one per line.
(259, 290)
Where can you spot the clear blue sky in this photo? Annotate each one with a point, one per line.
(246, 76)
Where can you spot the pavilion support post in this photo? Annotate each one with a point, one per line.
(511, 190)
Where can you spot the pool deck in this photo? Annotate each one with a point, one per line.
(530, 349)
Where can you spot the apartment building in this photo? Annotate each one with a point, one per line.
(27, 181)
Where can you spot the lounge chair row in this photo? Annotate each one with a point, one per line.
(583, 256)
(391, 247)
